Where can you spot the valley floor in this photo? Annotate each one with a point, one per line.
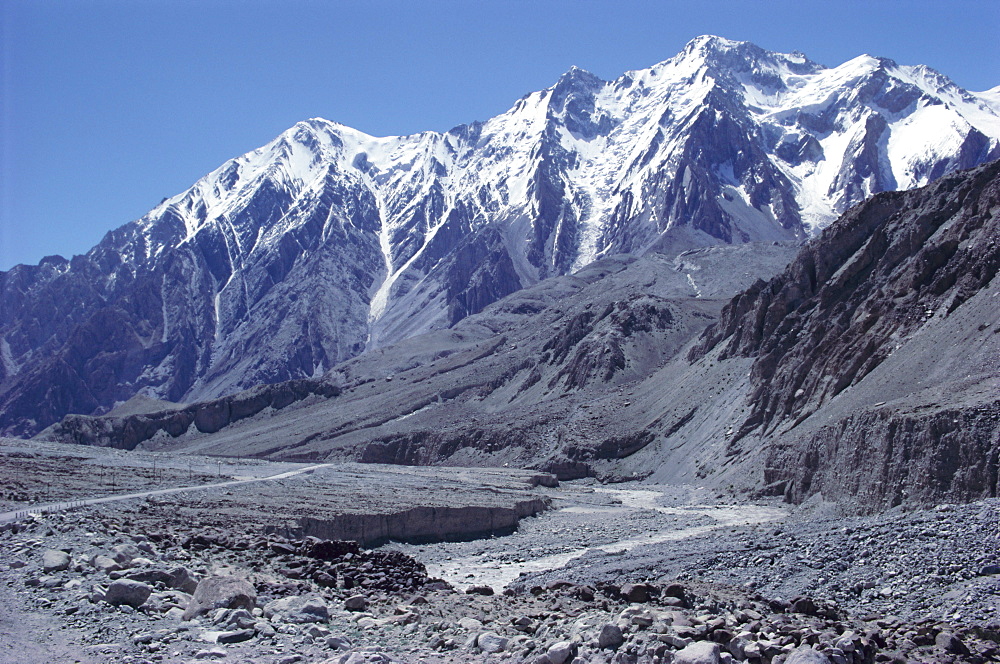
(609, 573)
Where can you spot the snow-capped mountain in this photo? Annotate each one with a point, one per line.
(327, 241)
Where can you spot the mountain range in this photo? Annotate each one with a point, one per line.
(865, 368)
(328, 244)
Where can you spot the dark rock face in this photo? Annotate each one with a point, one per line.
(419, 524)
(896, 281)
(95, 331)
(837, 311)
(913, 457)
(209, 417)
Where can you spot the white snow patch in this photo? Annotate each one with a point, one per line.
(697, 291)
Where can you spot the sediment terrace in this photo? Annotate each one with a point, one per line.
(367, 503)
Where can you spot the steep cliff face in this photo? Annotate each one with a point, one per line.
(855, 294)
(876, 358)
(328, 242)
(881, 458)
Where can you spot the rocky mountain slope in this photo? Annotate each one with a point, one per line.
(513, 384)
(875, 349)
(327, 242)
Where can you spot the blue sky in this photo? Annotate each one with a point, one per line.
(107, 107)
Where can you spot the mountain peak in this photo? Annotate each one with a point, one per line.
(732, 55)
(712, 44)
(576, 77)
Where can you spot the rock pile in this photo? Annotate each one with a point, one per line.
(183, 592)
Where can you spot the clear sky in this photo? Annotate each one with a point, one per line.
(107, 106)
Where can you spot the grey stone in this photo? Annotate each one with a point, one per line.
(105, 564)
(950, 643)
(806, 655)
(221, 592)
(305, 609)
(491, 642)
(127, 592)
(356, 603)
(561, 652)
(55, 561)
(610, 637)
(236, 636)
(636, 592)
(700, 652)
(149, 575)
(182, 579)
(212, 653)
(338, 643)
(124, 554)
(470, 624)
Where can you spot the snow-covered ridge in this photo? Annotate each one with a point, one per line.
(607, 130)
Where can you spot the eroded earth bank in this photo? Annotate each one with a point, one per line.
(240, 568)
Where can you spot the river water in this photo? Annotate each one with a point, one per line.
(589, 521)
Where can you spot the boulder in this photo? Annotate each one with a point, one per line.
(948, 642)
(182, 579)
(805, 605)
(124, 554)
(221, 592)
(356, 603)
(299, 610)
(561, 652)
(105, 564)
(806, 655)
(611, 636)
(150, 575)
(636, 592)
(55, 561)
(128, 592)
(486, 591)
(491, 642)
(700, 652)
(235, 636)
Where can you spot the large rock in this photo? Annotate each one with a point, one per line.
(150, 575)
(124, 554)
(356, 603)
(221, 592)
(806, 655)
(235, 636)
(182, 579)
(55, 561)
(636, 592)
(561, 652)
(491, 642)
(701, 652)
(308, 609)
(610, 637)
(127, 591)
(105, 563)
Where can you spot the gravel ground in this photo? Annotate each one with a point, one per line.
(621, 574)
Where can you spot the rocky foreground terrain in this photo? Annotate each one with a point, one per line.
(620, 573)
